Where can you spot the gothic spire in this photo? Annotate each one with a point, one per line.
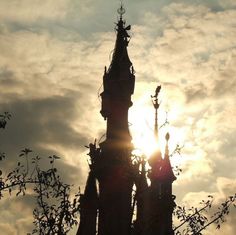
(166, 170)
(121, 66)
(114, 171)
(155, 161)
(118, 84)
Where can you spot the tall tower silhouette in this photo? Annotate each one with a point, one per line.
(107, 205)
(161, 201)
(111, 162)
(115, 167)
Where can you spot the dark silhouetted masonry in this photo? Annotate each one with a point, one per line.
(117, 182)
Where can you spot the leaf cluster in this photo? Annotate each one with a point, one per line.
(56, 210)
(4, 118)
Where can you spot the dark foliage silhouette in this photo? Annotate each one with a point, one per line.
(4, 118)
(193, 221)
(56, 210)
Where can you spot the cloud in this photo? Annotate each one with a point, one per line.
(227, 3)
(42, 121)
(10, 208)
(198, 92)
(7, 229)
(28, 11)
(226, 186)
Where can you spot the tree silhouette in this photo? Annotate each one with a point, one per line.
(56, 209)
(194, 220)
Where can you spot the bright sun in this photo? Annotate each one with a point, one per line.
(142, 130)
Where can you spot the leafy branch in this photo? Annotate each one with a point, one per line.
(56, 211)
(194, 220)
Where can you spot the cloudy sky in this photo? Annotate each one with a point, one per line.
(52, 59)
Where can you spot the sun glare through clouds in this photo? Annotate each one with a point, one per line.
(142, 118)
(142, 129)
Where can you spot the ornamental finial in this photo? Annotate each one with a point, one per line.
(121, 10)
(167, 136)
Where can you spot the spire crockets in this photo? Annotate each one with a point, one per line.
(118, 85)
(121, 66)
